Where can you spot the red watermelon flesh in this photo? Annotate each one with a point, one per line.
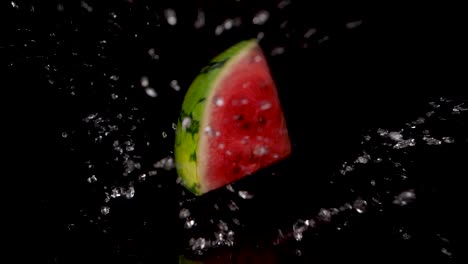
(245, 130)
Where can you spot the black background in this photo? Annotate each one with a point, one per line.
(380, 74)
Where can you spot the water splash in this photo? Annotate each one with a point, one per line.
(389, 149)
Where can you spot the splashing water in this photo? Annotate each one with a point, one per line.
(124, 160)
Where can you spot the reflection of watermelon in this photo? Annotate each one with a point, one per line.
(231, 123)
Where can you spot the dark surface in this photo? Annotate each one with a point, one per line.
(333, 92)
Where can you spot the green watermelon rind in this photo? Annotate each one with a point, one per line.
(187, 149)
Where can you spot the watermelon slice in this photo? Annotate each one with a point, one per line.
(231, 123)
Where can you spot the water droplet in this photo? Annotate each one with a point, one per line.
(310, 32)
(91, 117)
(260, 150)
(432, 141)
(130, 192)
(86, 6)
(14, 5)
(260, 36)
(446, 252)
(186, 122)
(184, 213)
(230, 188)
(198, 243)
(233, 206)
(300, 226)
(105, 210)
(325, 38)
(189, 223)
(228, 23)
(174, 126)
(60, 8)
(152, 172)
(114, 96)
(448, 140)
(115, 193)
(277, 51)
(353, 24)
(298, 236)
(405, 143)
(142, 177)
(166, 163)
(200, 22)
(360, 205)
(265, 105)
(430, 113)
(324, 215)
(362, 159)
(261, 17)
(382, 132)
(397, 136)
(219, 30)
(405, 236)
(175, 85)
(209, 131)
(151, 92)
(347, 169)
(283, 4)
(221, 146)
(345, 207)
(458, 109)
(405, 198)
(170, 16)
(219, 102)
(223, 226)
(245, 195)
(92, 179)
(419, 121)
(164, 134)
(152, 54)
(258, 58)
(64, 134)
(144, 81)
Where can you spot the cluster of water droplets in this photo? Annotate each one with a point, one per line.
(390, 149)
(211, 223)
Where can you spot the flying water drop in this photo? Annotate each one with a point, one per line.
(189, 223)
(105, 210)
(174, 85)
(261, 17)
(200, 22)
(184, 213)
(360, 205)
(353, 24)
(405, 198)
(170, 16)
(245, 195)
